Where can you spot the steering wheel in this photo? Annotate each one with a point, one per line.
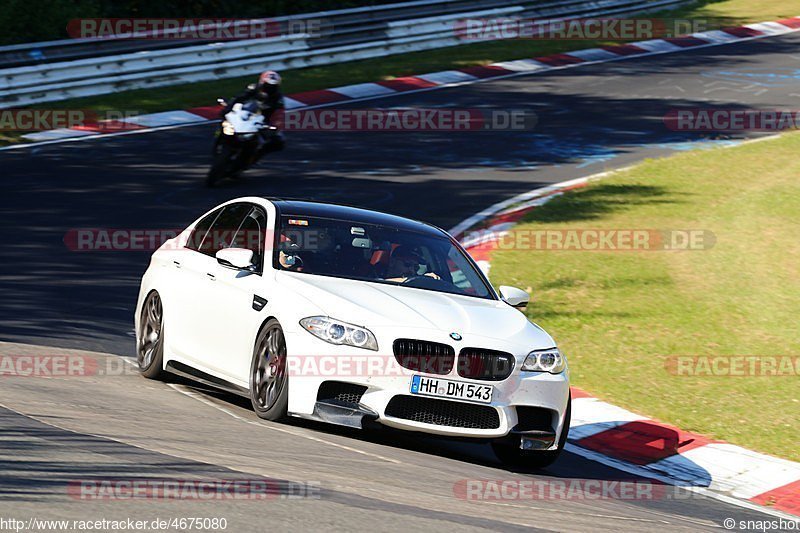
(298, 262)
(428, 282)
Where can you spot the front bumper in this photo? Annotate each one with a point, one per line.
(313, 362)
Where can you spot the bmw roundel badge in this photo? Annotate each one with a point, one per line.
(455, 336)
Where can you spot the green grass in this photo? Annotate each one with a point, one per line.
(619, 315)
(746, 11)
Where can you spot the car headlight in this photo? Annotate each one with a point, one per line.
(338, 332)
(550, 360)
(227, 128)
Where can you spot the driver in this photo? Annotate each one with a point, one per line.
(287, 255)
(405, 264)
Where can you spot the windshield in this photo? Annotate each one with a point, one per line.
(381, 254)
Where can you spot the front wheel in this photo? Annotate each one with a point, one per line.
(150, 338)
(269, 381)
(511, 454)
(220, 165)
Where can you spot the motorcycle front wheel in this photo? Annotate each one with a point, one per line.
(219, 166)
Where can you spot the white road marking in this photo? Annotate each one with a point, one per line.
(107, 437)
(593, 54)
(291, 103)
(468, 222)
(591, 416)
(164, 118)
(559, 510)
(208, 402)
(131, 361)
(360, 90)
(59, 133)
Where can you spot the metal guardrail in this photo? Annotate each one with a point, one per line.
(29, 54)
(358, 35)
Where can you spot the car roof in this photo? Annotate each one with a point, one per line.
(304, 208)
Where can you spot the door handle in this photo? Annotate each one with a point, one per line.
(211, 276)
(177, 264)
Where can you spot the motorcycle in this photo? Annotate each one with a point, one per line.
(237, 141)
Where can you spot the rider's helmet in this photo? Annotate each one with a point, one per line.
(269, 82)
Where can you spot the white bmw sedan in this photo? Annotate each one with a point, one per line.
(352, 317)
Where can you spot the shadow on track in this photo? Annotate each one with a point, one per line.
(588, 119)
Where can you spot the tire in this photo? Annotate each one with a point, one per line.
(510, 453)
(150, 338)
(219, 167)
(269, 381)
(246, 159)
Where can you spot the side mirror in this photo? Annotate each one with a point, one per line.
(238, 258)
(514, 297)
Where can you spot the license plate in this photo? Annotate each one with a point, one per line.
(447, 388)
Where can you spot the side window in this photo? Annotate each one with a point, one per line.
(200, 230)
(251, 235)
(429, 260)
(225, 226)
(462, 274)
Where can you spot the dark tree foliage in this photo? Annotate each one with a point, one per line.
(42, 20)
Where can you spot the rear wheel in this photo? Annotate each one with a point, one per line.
(511, 454)
(269, 381)
(150, 338)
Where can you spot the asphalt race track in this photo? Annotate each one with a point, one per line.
(54, 431)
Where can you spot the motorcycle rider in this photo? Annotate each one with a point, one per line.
(267, 94)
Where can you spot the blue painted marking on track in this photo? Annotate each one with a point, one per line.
(538, 150)
(763, 77)
(700, 144)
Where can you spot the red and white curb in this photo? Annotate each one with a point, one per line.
(438, 80)
(628, 441)
(622, 439)
(480, 233)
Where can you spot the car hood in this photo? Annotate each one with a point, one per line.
(375, 305)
